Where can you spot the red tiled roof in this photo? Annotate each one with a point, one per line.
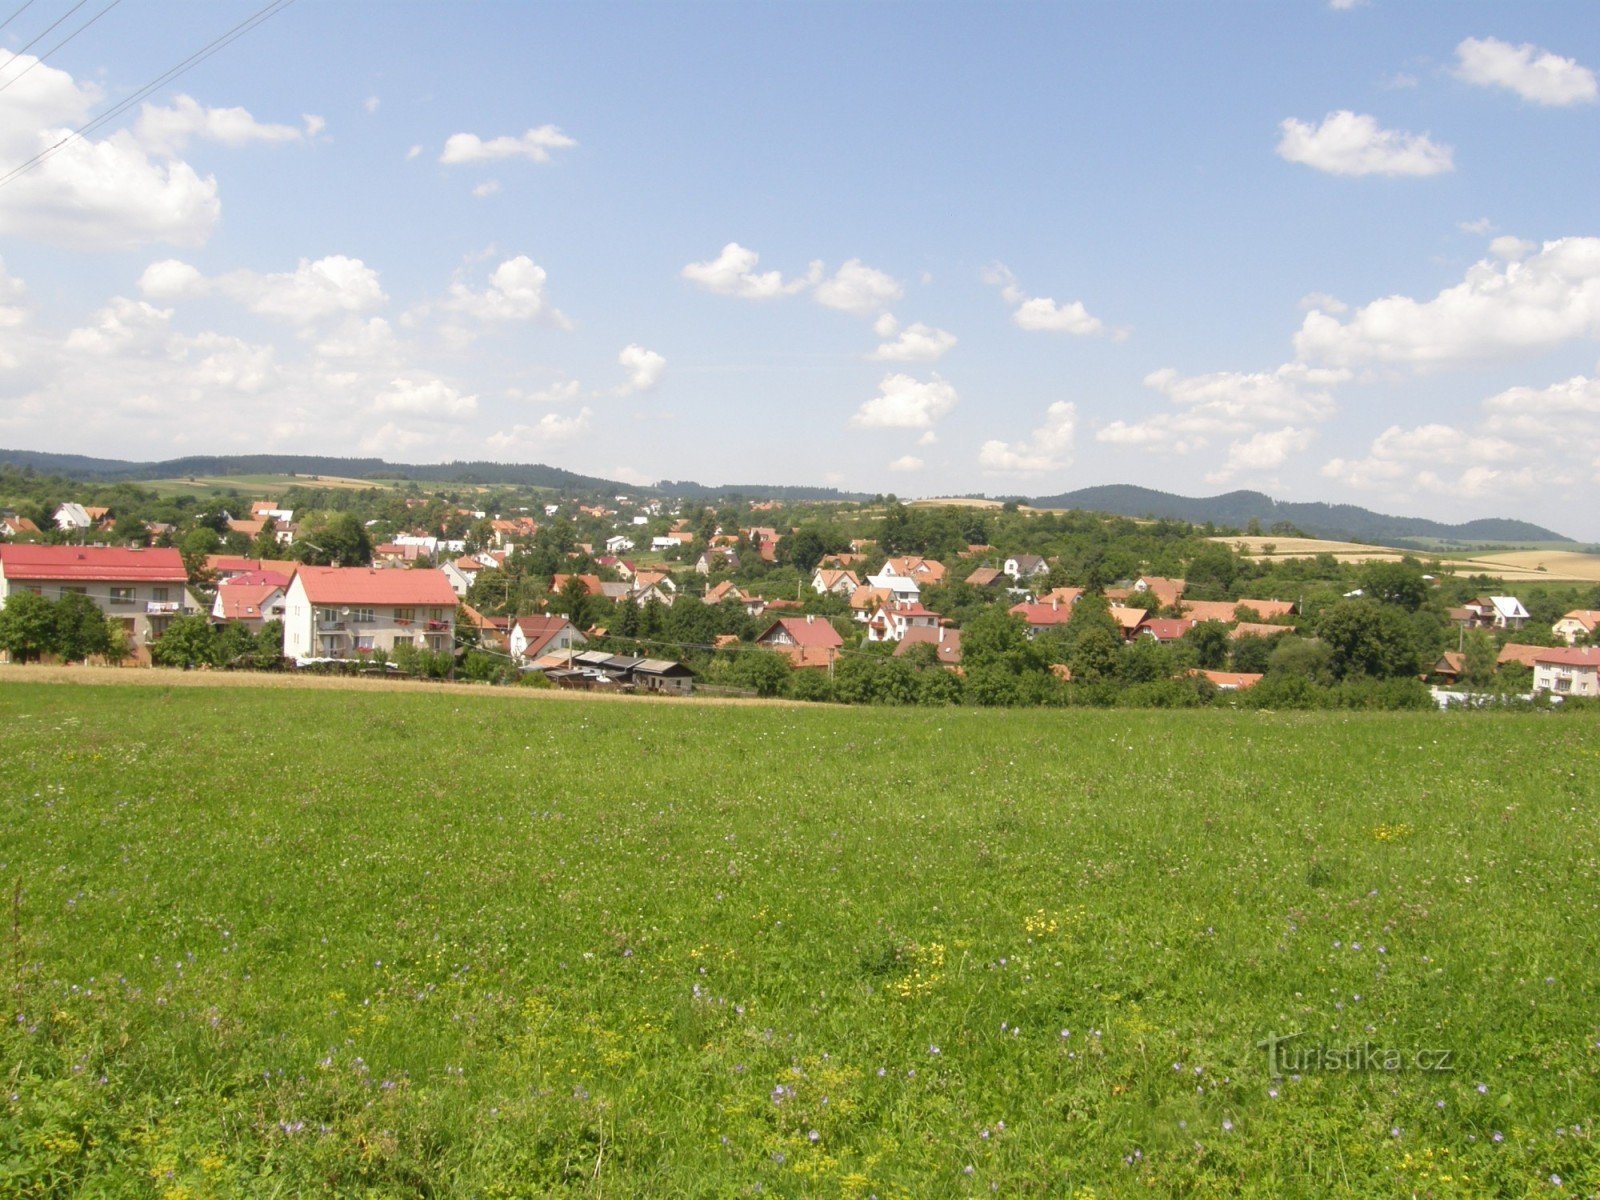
(1246, 629)
(1168, 629)
(233, 564)
(257, 579)
(366, 585)
(1516, 652)
(806, 631)
(1043, 614)
(245, 601)
(1570, 656)
(1589, 618)
(540, 632)
(93, 563)
(591, 582)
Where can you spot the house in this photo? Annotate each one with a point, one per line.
(591, 584)
(1025, 566)
(808, 641)
(890, 622)
(531, 637)
(986, 577)
(664, 542)
(1568, 671)
(1516, 652)
(462, 573)
(763, 540)
(1042, 617)
(618, 544)
(350, 612)
(1129, 620)
(1449, 668)
(224, 567)
(1579, 623)
(946, 643)
(1166, 629)
(13, 526)
(72, 516)
(1066, 595)
(492, 632)
(142, 589)
(923, 570)
(1496, 612)
(902, 587)
(664, 676)
(251, 604)
(828, 580)
(865, 601)
(1168, 591)
(1227, 611)
(1246, 629)
(718, 558)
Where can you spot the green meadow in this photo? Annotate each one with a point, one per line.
(345, 943)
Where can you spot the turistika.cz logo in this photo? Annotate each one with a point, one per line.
(1308, 1059)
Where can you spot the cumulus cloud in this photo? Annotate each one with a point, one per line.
(167, 130)
(535, 145)
(516, 292)
(1048, 448)
(421, 396)
(91, 194)
(487, 188)
(906, 403)
(906, 462)
(733, 273)
(1565, 413)
(1536, 75)
(1500, 309)
(13, 297)
(916, 343)
(644, 368)
(123, 325)
(858, 289)
(314, 291)
(1041, 313)
(1480, 227)
(550, 429)
(1410, 460)
(1348, 143)
(1266, 451)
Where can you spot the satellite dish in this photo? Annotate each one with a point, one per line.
(344, 612)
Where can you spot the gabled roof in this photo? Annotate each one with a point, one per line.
(946, 642)
(1515, 652)
(233, 564)
(1231, 681)
(246, 601)
(1210, 610)
(1589, 618)
(88, 564)
(1039, 615)
(540, 631)
(1509, 607)
(807, 631)
(1166, 590)
(366, 585)
(1129, 618)
(1569, 656)
(1168, 629)
(590, 582)
(1246, 629)
(985, 576)
(256, 579)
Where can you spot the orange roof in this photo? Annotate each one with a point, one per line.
(1209, 610)
(1589, 618)
(1063, 595)
(1232, 680)
(1166, 590)
(1267, 608)
(93, 564)
(1129, 618)
(984, 576)
(366, 585)
(591, 582)
(1246, 629)
(807, 657)
(1054, 613)
(233, 564)
(1516, 652)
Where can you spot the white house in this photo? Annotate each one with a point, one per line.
(350, 612)
(840, 583)
(1579, 623)
(902, 586)
(1568, 671)
(1025, 566)
(617, 544)
(892, 621)
(533, 637)
(1502, 612)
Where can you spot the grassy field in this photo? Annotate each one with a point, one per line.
(257, 486)
(1548, 564)
(368, 943)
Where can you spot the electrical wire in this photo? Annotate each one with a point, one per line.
(53, 49)
(194, 60)
(41, 35)
(16, 14)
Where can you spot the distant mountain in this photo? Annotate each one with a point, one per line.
(687, 490)
(1342, 522)
(110, 470)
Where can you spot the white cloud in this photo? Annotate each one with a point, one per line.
(1512, 248)
(644, 367)
(516, 292)
(487, 188)
(859, 289)
(1323, 302)
(1266, 451)
(417, 396)
(1048, 448)
(371, 104)
(121, 327)
(1348, 143)
(13, 295)
(886, 326)
(1499, 310)
(563, 392)
(1565, 414)
(1227, 403)
(535, 145)
(1534, 74)
(393, 441)
(1041, 313)
(1345, 5)
(106, 194)
(917, 343)
(313, 291)
(168, 130)
(550, 429)
(1409, 460)
(1480, 227)
(229, 364)
(733, 273)
(906, 462)
(414, 152)
(906, 403)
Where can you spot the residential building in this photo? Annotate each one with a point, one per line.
(143, 589)
(1025, 566)
(1568, 671)
(809, 641)
(251, 600)
(830, 579)
(532, 637)
(1496, 612)
(1579, 623)
(351, 612)
(14, 526)
(946, 643)
(891, 621)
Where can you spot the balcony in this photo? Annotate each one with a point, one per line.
(157, 607)
(330, 627)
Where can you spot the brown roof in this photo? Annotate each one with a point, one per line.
(1246, 629)
(591, 582)
(1232, 680)
(1516, 652)
(540, 632)
(366, 585)
(1166, 590)
(92, 564)
(1168, 629)
(1129, 618)
(807, 631)
(985, 576)
(946, 642)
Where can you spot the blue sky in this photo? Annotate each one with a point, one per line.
(1335, 253)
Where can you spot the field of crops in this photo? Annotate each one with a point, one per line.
(314, 942)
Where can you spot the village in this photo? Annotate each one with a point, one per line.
(663, 597)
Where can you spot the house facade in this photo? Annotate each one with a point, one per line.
(142, 589)
(352, 612)
(1579, 623)
(1568, 671)
(533, 636)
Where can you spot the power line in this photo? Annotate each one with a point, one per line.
(40, 37)
(53, 49)
(16, 14)
(271, 9)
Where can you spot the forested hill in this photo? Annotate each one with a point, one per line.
(1237, 509)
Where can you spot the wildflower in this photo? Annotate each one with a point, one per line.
(1497, 1136)
(813, 1137)
(933, 1049)
(1227, 1126)
(1483, 1089)
(1394, 1131)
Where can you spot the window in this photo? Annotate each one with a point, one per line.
(159, 595)
(404, 615)
(121, 595)
(361, 616)
(436, 614)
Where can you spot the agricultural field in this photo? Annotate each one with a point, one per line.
(256, 485)
(1553, 565)
(377, 943)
